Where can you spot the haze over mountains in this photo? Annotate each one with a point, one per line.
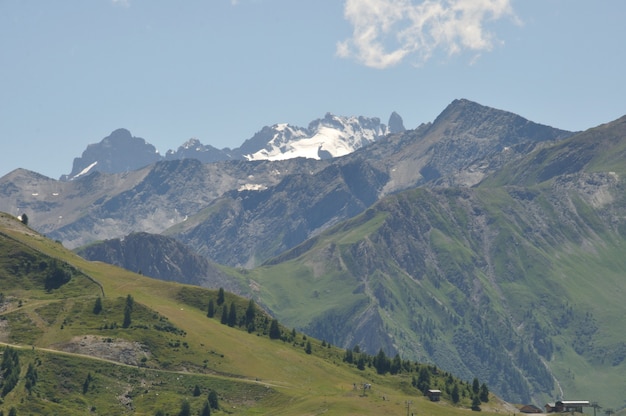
(483, 242)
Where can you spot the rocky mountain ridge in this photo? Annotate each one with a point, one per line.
(460, 147)
(328, 137)
(160, 257)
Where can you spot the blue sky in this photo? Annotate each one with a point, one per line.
(72, 71)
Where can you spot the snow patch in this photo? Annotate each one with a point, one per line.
(86, 170)
(252, 187)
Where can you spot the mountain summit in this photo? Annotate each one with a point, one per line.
(325, 138)
(118, 152)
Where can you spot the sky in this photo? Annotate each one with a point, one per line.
(73, 71)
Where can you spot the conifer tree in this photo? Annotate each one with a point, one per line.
(185, 408)
(31, 378)
(232, 315)
(211, 311)
(381, 362)
(476, 404)
(213, 400)
(220, 296)
(97, 307)
(274, 329)
(396, 365)
(455, 394)
(475, 386)
(360, 362)
(484, 393)
(224, 318)
(250, 312)
(10, 370)
(206, 409)
(423, 379)
(87, 383)
(128, 309)
(349, 357)
(127, 317)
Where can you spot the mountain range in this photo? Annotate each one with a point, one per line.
(331, 136)
(482, 242)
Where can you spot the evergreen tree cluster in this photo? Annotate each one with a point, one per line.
(10, 369)
(228, 314)
(426, 377)
(56, 276)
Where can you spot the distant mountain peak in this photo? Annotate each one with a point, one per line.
(327, 137)
(120, 151)
(192, 143)
(396, 125)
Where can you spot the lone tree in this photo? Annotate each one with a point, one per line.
(24, 219)
(87, 383)
(211, 311)
(128, 309)
(97, 307)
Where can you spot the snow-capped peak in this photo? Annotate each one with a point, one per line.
(331, 136)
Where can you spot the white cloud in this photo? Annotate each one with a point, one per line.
(385, 32)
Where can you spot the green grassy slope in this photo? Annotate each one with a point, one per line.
(74, 361)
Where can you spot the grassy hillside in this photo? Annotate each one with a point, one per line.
(91, 338)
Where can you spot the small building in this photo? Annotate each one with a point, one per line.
(434, 395)
(567, 406)
(529, 408)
